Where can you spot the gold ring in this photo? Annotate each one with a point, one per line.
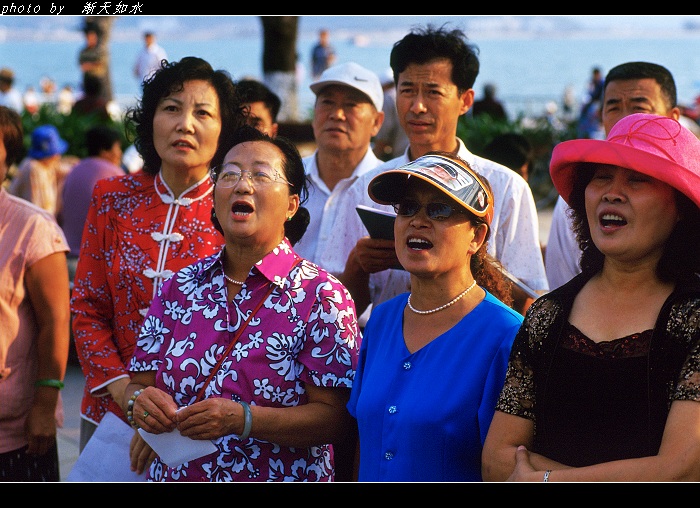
(145, 414)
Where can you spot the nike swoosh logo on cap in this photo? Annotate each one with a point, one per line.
(361, 79)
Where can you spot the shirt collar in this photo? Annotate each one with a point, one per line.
(198, 191)
(274, 266)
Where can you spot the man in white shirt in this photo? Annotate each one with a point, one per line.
(436, 71)
(150, 57)
(631, 87)
(347, 114)
(9, 95)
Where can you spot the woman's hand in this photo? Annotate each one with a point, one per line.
(524, 470)
(155, 411)
(40, 427)
(211, 419)
(140, 453)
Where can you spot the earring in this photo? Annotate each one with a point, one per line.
(289, 219)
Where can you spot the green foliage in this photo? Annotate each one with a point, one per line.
(71, 127)
(477, 132)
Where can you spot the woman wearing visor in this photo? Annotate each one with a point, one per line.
(432, 360)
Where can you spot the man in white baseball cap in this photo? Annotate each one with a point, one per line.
(355, 76)
(347, 114)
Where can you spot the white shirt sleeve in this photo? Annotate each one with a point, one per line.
(515, 230)
(562, 255)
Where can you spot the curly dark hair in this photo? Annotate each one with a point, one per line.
(293, 169)
(424, 44)
(487, 271)
(170, 78)
(679, 260)
(12, 135)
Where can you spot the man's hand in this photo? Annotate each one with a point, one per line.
(374, 255)
(366, 257)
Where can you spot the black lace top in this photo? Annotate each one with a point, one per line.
(594, 402)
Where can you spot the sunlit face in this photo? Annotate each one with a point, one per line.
(630, 215)
(91, 38)
(628, 96)
(254, 213)
(429, 106)
(260, 117)
(434, 247)
(186, 127)
(344, 119)
(114, 154)
(524, 171)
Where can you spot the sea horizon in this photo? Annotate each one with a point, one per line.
(531, 63)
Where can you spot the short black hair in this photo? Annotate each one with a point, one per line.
(510, 149)
(100, 137)
(644, 70)
(423, 45)
(92, 85)
(91, 26)
(12, 135)
(251, 90)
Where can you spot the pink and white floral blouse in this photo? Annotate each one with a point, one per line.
(305, 332)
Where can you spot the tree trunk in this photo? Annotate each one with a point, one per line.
(105, 24)
(279, 62)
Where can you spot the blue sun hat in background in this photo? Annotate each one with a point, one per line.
(46, 141)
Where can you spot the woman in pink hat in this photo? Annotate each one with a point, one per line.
(603, 381)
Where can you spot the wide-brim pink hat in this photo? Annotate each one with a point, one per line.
(657, 146)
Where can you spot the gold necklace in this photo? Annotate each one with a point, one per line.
(233, 281)
(452, 302)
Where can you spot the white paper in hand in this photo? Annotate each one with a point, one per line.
(174, 449)
(105, 458)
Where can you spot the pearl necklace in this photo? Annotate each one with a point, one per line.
(452, 302)
(233, 281)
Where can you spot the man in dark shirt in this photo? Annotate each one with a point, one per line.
(489, 105)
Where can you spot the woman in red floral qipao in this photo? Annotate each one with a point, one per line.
(143, 227)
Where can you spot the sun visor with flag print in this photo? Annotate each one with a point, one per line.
(452, 176)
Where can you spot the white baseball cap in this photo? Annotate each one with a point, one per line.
(355, 76)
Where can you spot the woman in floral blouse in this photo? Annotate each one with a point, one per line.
(277, 398)
(143, 227)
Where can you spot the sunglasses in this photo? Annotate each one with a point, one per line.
(434, 211)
